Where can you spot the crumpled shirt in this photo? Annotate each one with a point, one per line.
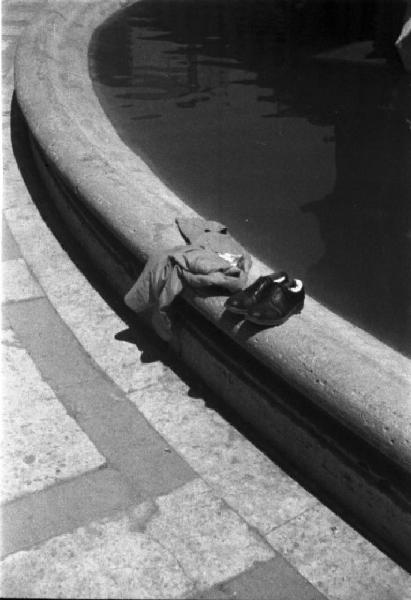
(211, 257)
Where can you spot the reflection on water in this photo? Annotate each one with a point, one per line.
(284, 123)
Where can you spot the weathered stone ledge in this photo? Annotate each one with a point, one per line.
(335, 368)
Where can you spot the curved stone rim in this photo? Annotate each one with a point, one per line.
(346, 372)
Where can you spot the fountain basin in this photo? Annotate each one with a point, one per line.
(325, 394)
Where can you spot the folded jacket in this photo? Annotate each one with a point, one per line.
(212, 257)
(165, 275)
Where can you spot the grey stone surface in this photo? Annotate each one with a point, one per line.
(106, 559)
(10, 249)
(247, 480)
(14, 190)
(92, 321)
(58, 355)
(272, 580)
(30, 6)
(18, 282)
(41, 444)
(125, 438)
(118, 430)
(209, 540)
(156, 550)
(339, 562)
(10, 29)
(61, 508)
(5, 323)
(215, 593)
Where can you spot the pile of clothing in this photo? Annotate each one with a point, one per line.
(209, 257)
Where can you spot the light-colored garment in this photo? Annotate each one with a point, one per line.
(212, 257)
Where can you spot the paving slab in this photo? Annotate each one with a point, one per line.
(156, 550)
(124, 436)
(338, 561)
(271, 580)
(79, 305)
(11, 6)
(10, 29)
(22, 14)
(210, 541)
(248, 481)
(9, 248)
(19, 20)
(18, 282)
(14, 191)
(102, 410)
(57, 353)
(41, 444)
(105, 559)
(5, 323)
(64, 507)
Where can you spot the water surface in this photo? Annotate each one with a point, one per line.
(282, 124)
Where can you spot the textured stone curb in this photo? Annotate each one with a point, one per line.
(341, 371)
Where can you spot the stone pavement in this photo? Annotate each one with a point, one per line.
(119, 478)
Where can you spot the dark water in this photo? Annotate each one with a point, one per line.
(284, 124)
